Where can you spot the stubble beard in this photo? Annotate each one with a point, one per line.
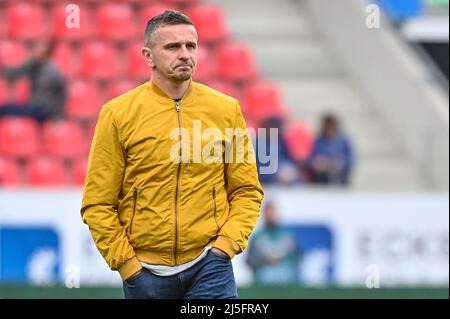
(182, 76)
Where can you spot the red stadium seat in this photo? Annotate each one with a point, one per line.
(12, 53)
(64, 139)
(126, 1)
(21, 91)
(45, 172)
(64, 60)
(262, 100)
(26, 21)
(2, 25)
(137, 67)
(9, 173)
(299, 140)
(209, 22)
(182, 2)
(3, 92)
(19, 137)
(84, 100)
(235, 62)
(116, 88)
(41, 1)
(99, 60)
(60, 19)
(79, 171)
(205, 66)
(149, 12)
(115, 22)
(225, 88)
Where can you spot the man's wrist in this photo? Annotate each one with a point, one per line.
(227, 245)
(129, 268)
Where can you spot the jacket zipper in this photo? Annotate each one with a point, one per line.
(215, 207)
(135, 195)
(175, 250)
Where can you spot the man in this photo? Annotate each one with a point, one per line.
(48, 87)
(331, 159)
(273, 253)
(286, 172)
(168, 223)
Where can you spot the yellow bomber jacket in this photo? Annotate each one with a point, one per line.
(147, 197)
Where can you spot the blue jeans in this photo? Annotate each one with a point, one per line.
(210, 278)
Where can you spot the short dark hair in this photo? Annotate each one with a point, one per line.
(329, 119)
(169, 17)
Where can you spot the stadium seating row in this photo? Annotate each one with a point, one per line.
(42, 172)
(22, 138)
(107, 21)
(97, 2)
(60, 148)
(100, 60)
(259, 99)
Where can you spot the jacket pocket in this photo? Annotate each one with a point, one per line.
(135, 198)
(214, 197)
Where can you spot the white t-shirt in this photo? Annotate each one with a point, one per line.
(173, 270)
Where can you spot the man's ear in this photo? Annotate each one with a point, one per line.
(148, 56)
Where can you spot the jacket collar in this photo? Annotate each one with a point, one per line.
(163, 96)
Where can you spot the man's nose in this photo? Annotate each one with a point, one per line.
(184, 53)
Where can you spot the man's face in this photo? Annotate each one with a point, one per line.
(331, 130)
(41, 51)
(270, 216)
(173, 54)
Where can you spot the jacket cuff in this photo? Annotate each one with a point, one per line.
(227, 245)
(129, 268)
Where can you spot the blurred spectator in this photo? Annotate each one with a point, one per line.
(331, 159)
(273, 253)
(287, 171)
(48, 87)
